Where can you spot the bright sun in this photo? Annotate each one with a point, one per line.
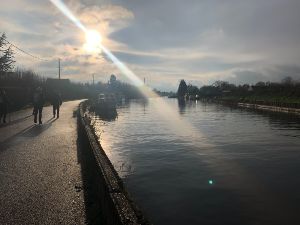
(93, 41)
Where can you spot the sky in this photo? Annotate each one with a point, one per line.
(163, 41)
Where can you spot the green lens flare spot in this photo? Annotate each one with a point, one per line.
(210, 182)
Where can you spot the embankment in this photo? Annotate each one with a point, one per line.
(290, 108)
(116, 207)
(270, 108)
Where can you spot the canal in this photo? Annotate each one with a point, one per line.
(240, 167)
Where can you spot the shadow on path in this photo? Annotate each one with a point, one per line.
(92, 205)
(25, 134)
(14, 121)
(38, 129)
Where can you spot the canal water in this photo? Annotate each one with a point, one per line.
(234, 166)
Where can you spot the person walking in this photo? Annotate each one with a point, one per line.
(3, 106)
(38, 104)
(56, 103)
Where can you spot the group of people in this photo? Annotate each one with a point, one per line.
(38, 101)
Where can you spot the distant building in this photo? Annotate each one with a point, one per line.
(112, 79)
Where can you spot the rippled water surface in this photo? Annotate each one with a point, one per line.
(234, 166)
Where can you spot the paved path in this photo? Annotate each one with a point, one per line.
(40, 173)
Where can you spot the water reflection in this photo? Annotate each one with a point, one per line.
(107, 115)
(171, 173)
(181, 105)
(277, 120)
(190, 104)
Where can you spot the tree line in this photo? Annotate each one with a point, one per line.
(288, 90)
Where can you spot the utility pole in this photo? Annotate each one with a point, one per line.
(59, 68)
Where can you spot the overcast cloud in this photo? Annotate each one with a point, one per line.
(164, 41)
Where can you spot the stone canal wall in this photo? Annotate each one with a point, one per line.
(290, 108)
(116, 207)
(270, 108)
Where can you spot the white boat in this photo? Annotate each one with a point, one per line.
(106, 101)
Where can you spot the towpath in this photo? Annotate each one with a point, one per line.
(40, 171)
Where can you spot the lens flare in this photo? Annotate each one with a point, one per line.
(93, 38)
(64, 9)
(93, 41)
(122, 67)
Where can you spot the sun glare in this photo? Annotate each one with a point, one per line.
(93, 41)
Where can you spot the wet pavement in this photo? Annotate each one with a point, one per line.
(40, 173)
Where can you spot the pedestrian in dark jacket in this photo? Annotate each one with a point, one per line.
(3, 106)
(56, 103)
(38, 104)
